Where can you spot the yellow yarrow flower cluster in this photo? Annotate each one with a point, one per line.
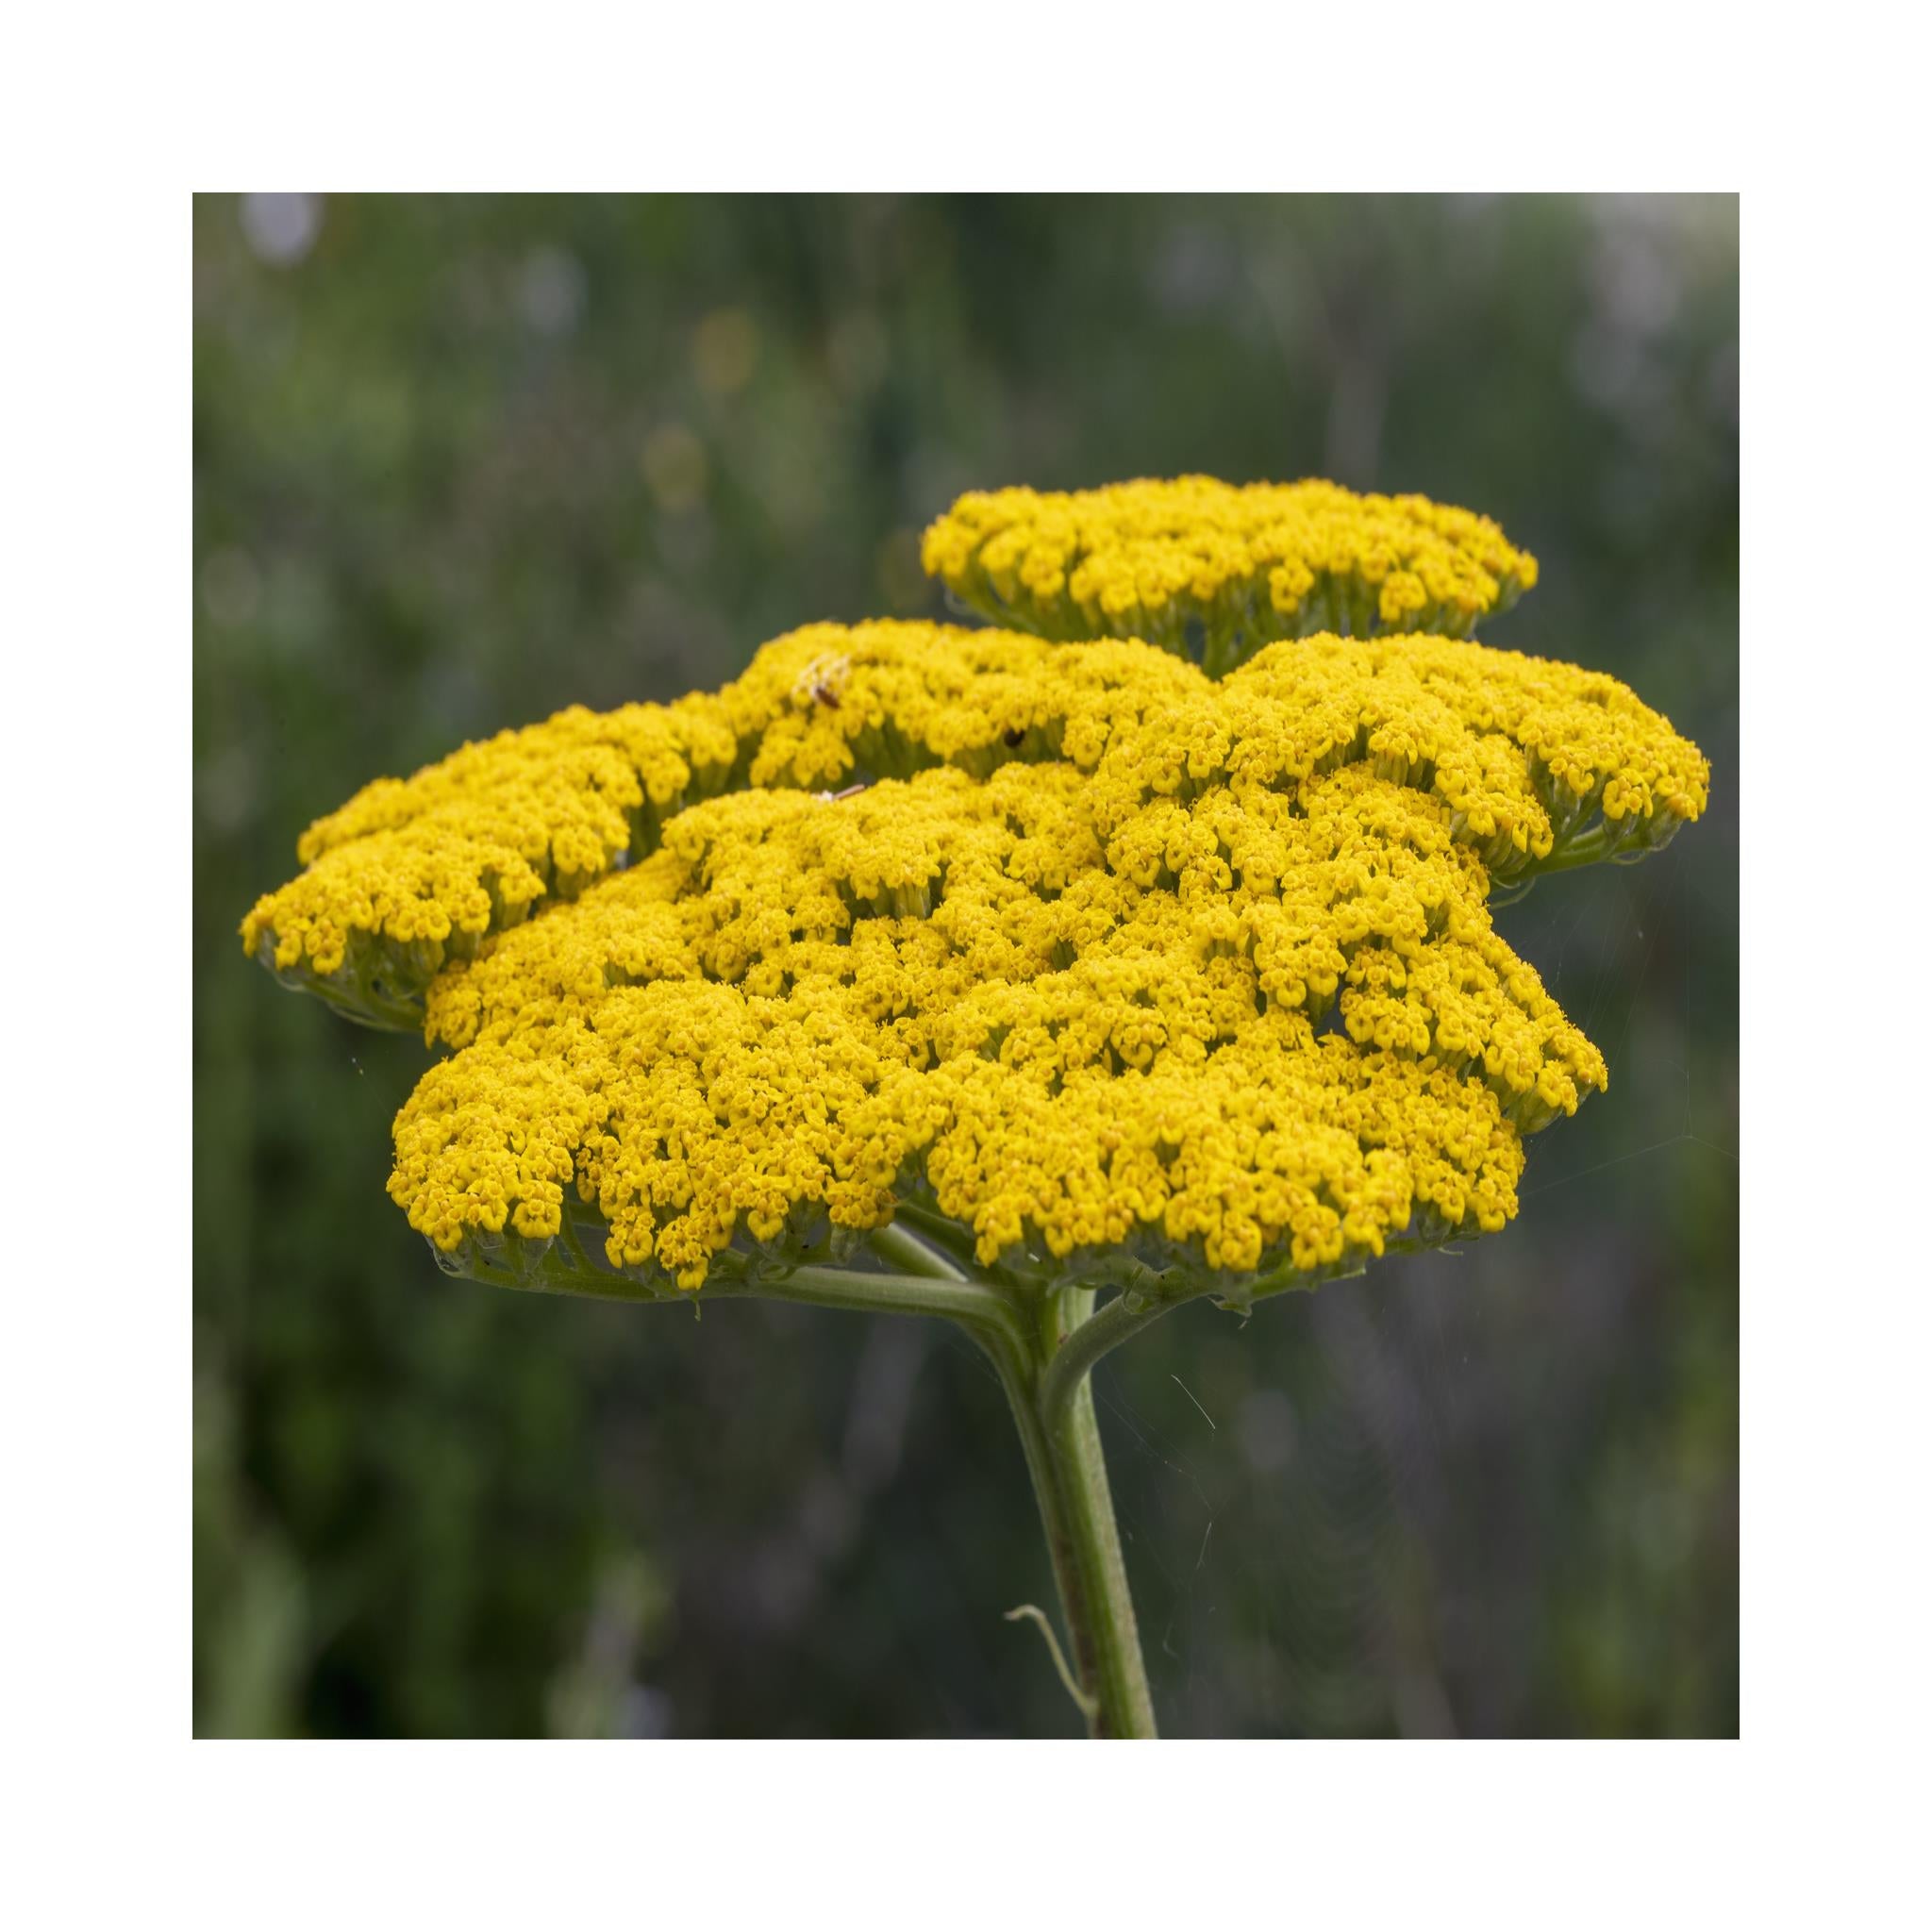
(1213, 571)
(1113, 962)
(1257, 1030)
(1534, 759)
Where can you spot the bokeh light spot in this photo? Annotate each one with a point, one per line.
(281, 229)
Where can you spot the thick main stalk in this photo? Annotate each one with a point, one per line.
(1043, 1345)
(1062, 1440)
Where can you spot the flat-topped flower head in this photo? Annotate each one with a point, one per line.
(1215, 572)
(1542, 765)
(1256, 1032)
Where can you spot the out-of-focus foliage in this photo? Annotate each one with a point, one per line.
(460, 462)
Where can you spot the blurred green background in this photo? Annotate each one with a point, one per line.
(460, 462)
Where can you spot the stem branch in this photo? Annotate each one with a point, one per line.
(940, 1292)
(903, 1247)
(1074, 1359)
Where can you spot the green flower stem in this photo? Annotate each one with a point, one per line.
(952, 1240)
(1119, 1674)
(1042, 1345)
(972, 1303)
(905, 1249)
(1050, 1391)
(1584, 848)
(1048, 1385)
(1073, 1360)
(1063, 1457)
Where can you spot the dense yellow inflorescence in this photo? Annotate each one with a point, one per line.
(1111, 959)
(1527, 754)
(431, 864)
(1260, 1026)
(1200, 566)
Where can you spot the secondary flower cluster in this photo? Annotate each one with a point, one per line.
(1533, 759)
(1112, 962)
(1197, 563)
